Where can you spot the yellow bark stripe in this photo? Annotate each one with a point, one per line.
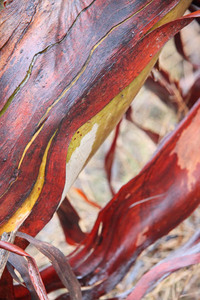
(110, 115)
(22, 213)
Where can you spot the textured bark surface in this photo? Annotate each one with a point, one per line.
(62, 62)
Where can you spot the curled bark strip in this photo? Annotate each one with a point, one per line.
(32, 268)
(3, 253)
(161, 196)
(83, 195)
(59, 262)
(163, 270)
(109, 158)
(69, 220)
